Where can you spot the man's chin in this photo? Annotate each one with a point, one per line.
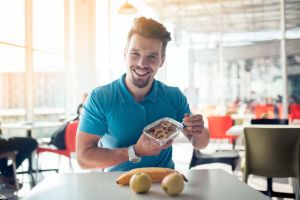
(140, 83)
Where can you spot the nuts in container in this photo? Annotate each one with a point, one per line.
(163, 130)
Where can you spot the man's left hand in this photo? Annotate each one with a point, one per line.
(195, 131)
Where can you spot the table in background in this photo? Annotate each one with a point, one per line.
(203, 184)
(242, 118)
(28, 127)
(238, 130)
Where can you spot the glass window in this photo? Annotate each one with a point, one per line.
(12, 58)
(45, 84)
(12, 23)
(48, 56)
(12, 98)
(48, 62)
(48, 25)
(49, 90)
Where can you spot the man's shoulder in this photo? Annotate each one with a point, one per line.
(104, 95)
(106, 89)
(167, 88)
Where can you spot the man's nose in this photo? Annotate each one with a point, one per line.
(142, 62)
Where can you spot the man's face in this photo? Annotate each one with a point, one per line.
(143, 57)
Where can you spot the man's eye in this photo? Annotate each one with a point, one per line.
(152, 57)
(134, 54)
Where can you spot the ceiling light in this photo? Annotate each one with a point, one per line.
(127, 9)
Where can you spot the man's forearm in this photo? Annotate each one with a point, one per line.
(199, 141)
(202, 140)
(96, 157)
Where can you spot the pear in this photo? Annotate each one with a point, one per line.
(173, 184)
(140, 182)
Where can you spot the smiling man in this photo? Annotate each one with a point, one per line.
(116, 114)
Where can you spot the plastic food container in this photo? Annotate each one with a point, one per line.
(163, 130)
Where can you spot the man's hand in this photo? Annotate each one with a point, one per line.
(146, 146)
(195, 131)
(193, 125)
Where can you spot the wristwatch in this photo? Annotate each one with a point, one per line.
(132, 155)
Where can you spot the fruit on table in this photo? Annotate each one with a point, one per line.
(157, 174)
(173, 184)
(140, 182)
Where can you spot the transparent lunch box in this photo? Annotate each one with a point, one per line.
(163, 130)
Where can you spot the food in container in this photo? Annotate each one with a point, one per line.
(163, 130)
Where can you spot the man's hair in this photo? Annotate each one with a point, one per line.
(151, 29)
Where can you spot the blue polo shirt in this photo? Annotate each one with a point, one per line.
(112, 113)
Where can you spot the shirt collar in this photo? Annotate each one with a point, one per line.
(126, 96)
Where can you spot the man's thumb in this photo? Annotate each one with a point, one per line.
(186, 114)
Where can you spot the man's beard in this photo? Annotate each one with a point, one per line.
(139, 82)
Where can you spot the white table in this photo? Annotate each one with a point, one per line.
(235, 130)
(238, 130)
(28, 126)
(203, 184)
(245, 118)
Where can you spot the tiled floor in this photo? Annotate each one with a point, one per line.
(182, 154)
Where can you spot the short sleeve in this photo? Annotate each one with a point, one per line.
(93, 118)
(183, 106)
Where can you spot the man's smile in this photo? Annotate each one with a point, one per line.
(141, 72)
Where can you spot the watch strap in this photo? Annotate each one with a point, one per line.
(132, 155)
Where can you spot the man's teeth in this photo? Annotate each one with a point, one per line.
(141, 73)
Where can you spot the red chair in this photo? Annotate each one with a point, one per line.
(295, 111)
(264, 111)
(70, 140)
(218, 125)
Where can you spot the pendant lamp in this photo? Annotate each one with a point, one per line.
(127, 9)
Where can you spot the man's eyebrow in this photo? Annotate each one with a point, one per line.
(134, 49)
(154, 53)
(151, 53)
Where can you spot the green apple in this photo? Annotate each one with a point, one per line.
(173, 184)
(140, 182)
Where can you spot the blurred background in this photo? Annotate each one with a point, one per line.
(225, 55)
(230, 57)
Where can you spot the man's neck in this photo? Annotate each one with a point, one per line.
(138, 93)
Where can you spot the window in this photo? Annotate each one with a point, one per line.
(32, 76)
(12, 58)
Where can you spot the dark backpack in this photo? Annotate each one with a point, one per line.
(58, 137)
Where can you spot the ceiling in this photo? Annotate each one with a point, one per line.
(238, 16)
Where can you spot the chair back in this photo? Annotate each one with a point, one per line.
(270, 121)
(218, 125)
(264, 111)
(70, 136)
(295, 111)
(272, 152)
(280, 110)
(11, 155)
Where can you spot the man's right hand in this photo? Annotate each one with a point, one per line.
(146, 146)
